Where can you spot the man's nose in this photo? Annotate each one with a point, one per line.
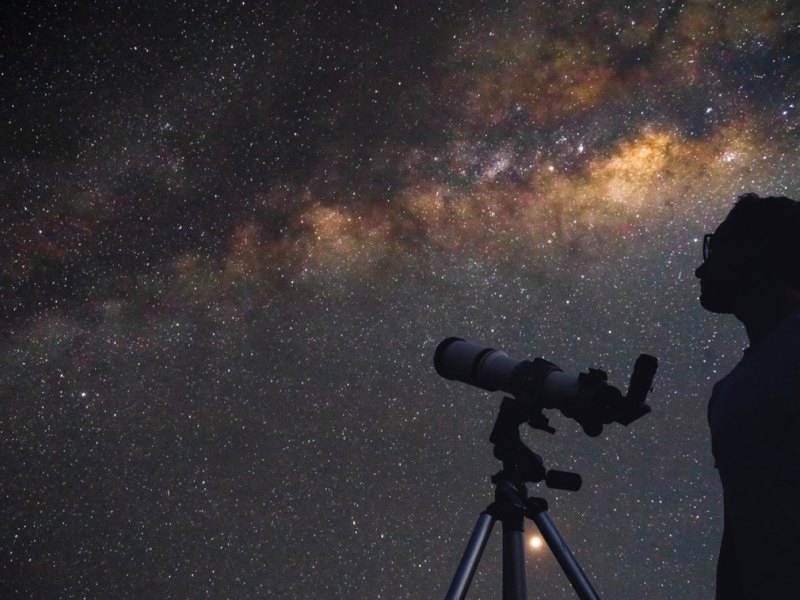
(700, 271)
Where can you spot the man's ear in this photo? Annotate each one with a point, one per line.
(754, 256)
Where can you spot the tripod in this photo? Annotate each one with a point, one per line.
(512, 504)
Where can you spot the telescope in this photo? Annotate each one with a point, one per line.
(587, 397)
(534, 385)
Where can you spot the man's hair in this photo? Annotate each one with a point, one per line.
(773, 222)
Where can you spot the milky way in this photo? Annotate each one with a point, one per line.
(234, 236)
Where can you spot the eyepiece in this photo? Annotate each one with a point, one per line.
(642, 378)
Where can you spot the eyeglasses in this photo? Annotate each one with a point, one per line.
(707, 245)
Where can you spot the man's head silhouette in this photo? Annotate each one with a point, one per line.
(751, 266)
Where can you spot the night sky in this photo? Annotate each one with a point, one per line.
(233, 234)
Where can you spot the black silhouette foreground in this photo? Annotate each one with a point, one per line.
(751, 269)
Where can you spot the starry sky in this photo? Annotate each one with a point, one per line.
(233, 234)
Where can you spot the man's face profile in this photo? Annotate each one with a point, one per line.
(724, 274)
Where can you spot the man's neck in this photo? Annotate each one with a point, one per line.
(767, 316)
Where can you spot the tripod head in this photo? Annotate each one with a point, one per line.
(521, 464)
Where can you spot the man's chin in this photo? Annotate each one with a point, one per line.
(715, 305)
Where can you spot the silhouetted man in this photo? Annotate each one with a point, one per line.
(751, 269)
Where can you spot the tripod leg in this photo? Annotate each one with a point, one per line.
(514, 587)
(471, 558)
(563, 555)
